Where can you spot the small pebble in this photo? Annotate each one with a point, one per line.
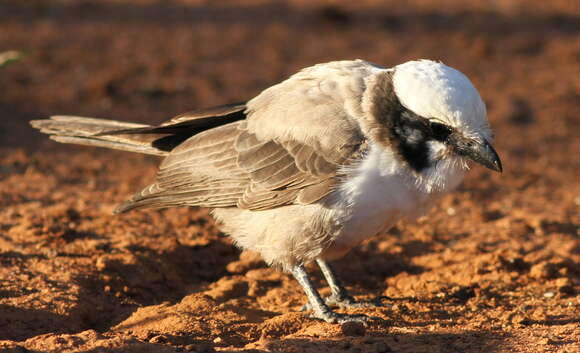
(353, 328)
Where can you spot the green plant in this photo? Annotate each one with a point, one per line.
(9, 57)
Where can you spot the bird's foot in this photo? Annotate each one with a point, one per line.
(338, 318)
(348, 302)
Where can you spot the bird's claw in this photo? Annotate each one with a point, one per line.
(348, 302)
(339, 318)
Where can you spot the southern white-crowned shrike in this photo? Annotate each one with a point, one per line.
(314, 165)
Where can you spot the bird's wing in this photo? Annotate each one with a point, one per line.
(320, 106)
(289, 150)
(202, 171)
(287, 172)
(230, 167)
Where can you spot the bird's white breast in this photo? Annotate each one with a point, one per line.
(380, 191)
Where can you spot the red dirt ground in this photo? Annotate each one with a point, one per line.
(493, 268)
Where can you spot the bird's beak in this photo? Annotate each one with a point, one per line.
(479, 152)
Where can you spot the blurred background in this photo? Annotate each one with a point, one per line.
(69, 267)
(146, 59)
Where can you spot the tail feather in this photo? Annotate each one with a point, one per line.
(156, 140)
(93, 132)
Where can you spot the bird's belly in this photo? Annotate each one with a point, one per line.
(360, 227)
(371, 218)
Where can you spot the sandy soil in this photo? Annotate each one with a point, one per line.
(493, 268)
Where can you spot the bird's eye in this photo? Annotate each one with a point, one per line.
(439, 131)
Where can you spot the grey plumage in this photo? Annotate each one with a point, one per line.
(216, 165)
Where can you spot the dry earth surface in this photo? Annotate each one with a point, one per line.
(493, 268)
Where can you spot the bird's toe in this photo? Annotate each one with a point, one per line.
(339, 318)
(349, 302)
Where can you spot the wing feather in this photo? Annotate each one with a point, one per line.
(230, 167)
(286, 146)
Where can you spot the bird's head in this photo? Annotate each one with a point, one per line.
(436, 116)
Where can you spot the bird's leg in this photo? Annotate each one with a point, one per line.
(339, 293)
(319, 308)
(340, 296)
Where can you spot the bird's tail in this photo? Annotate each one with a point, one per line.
(156, 140)
(94, 132)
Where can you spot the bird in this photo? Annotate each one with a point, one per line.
(312, 166)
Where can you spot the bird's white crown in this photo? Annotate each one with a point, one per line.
(436, 91)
